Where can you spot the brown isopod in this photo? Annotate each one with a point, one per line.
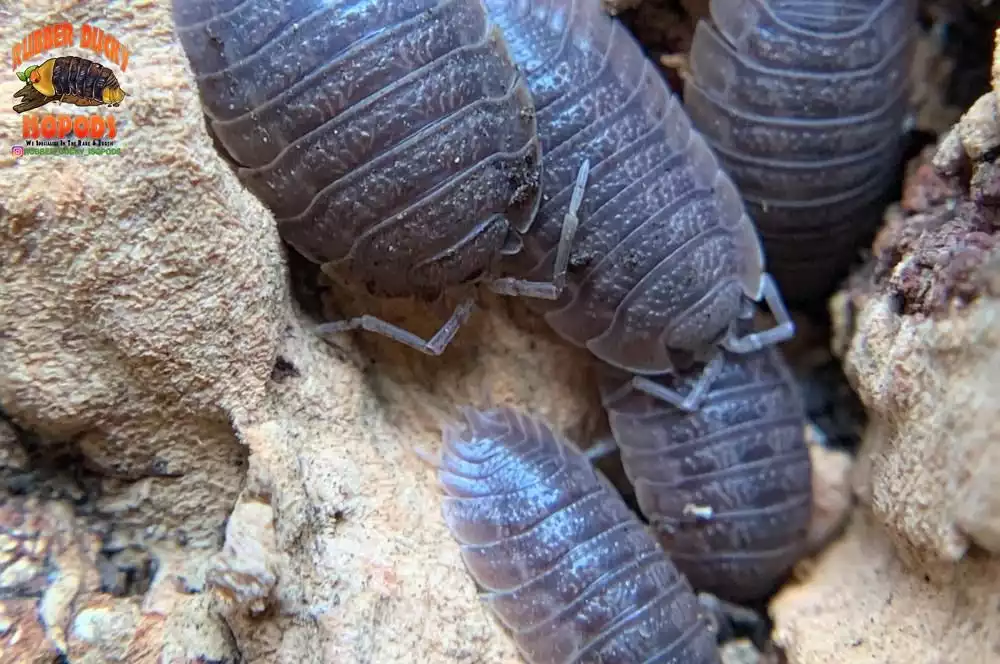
(393, 140)
(728, 489)
(68, 79)
(562, 562)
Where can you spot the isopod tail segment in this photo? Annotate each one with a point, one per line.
(512, 286)
(758, 287)
(737, 341)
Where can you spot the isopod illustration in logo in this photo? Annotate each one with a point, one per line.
(68, 79)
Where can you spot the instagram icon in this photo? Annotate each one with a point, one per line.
(17, 151)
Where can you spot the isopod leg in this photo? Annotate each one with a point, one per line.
(427, 457)
(435, 346)
(783, 330)
(600, 449)
(692, 401)
(570, 223)
(726, 618)
(553, 289)
(449, 429)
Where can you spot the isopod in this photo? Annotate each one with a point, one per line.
(804, 104)
(393, 140)
(728, 489)
(68, 79)
(561, 561)
(664, 260)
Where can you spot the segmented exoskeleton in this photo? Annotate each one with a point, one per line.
(393, 140)
(804, 103)
(729, 488)
(562, 562)
(68, 79)
(664, 259)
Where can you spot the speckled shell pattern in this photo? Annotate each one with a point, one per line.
(804, 103)
(742, 455)
(664, 252)
(562, 562)
(393, 141)
(83, 78)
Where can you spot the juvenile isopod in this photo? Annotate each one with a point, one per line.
(68, 79)
(728, 489)
(393, 140)
(664, 260)
(804, 104)
(561, 561)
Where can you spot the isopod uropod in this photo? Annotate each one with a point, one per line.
(395, 143)
(562, 562)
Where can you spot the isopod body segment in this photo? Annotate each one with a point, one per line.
(561, 561)
(804, 104)
(728, 489)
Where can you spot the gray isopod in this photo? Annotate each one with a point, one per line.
(729, 488)
(665, 259)
(393, 140)
(804, 103)
(562, 562)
